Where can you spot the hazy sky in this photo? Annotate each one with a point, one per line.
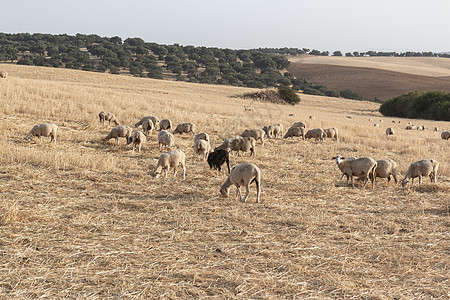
(325, 25)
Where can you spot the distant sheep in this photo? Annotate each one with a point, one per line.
(244, 144)
(386, 168)
(217, 158)
(201, 136)
(165, 139)
(155, 121)
(410, 127)
(248, 108)
(202, 147)
(436, 129)
(422, 127)
(148, 126)
(257, 134)
(107, 116)
(138, 138)
(165, 124)
(332, 133)
(170, 159)
(389, 131)
(312, 117)
(295, 131)
(425, 167)
(185, 128)
(119, 131)
(244, 174)
(316, 133)
(360, 167)
(376, 125)
(46, 129)
(445, 135)
(3, 74)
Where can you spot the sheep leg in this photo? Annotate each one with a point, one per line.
(174, 171)
(184, 171)
(420, 179)
(258, 190)
(351, 177)
(247, 191)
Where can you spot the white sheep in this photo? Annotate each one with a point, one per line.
(421, 127)
(425, 167)
(138, 138)
(332, 133)
(295, 131)
(275, 131)
(155, 120)
(3, 74)
(244, 174)
(299, 124)
(436, 129)
(360, 167)
(201, 136)
(227, 143)
(119, 131)
(445, 135)
(410, 127)
(165, 139)
(185, 128)
(376, 125)
(312, 117)
(202, 147)
(170, 159)
(107, 116)
(165, 124)
(390, 131)
(386, 168)
(46, 129)
(257, 134)
(244, 144)
(316, 133)
(148, 126)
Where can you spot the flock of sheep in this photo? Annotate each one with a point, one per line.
(365, 168)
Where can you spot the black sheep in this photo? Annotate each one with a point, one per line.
(217, 158)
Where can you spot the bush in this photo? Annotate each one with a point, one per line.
(434, 105)
(289, 95)
(349, 94)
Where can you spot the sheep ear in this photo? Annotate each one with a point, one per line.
(342, 157)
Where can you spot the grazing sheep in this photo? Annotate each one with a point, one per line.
(291, 115)
(201, 136)
(185, 128)
(332, 133)
(227, 143)
(436, 129)
(275, 131)
(386, 168)
(202, 147)
(170, 159)
(312, 117)
(299, 124)
(119, 131)
(445, 135)
(107, 116)
(376, 125)
(244, 144)
(244, 174)
(389, 131)
(165, 124)
(316, 133)
(295, 131)
(165, 139)
(46, 129)
(421, 127)
(410, 127)
(393, 121)
(257, 134)
(266, 130)
(3, 74)
(425, 167)
(217, 158)
(148, 126)
(360, 167)
(341, 167)
(248, 108)
(155, 120)
(138, 138)
(371, 120)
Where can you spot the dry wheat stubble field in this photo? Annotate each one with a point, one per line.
(84, 219)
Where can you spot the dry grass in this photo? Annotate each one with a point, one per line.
(83, 219)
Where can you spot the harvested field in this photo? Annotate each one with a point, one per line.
(84, 219)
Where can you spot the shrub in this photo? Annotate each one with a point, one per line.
(349, 94)
(289, 95)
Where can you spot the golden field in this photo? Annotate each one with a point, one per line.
(84, 219)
